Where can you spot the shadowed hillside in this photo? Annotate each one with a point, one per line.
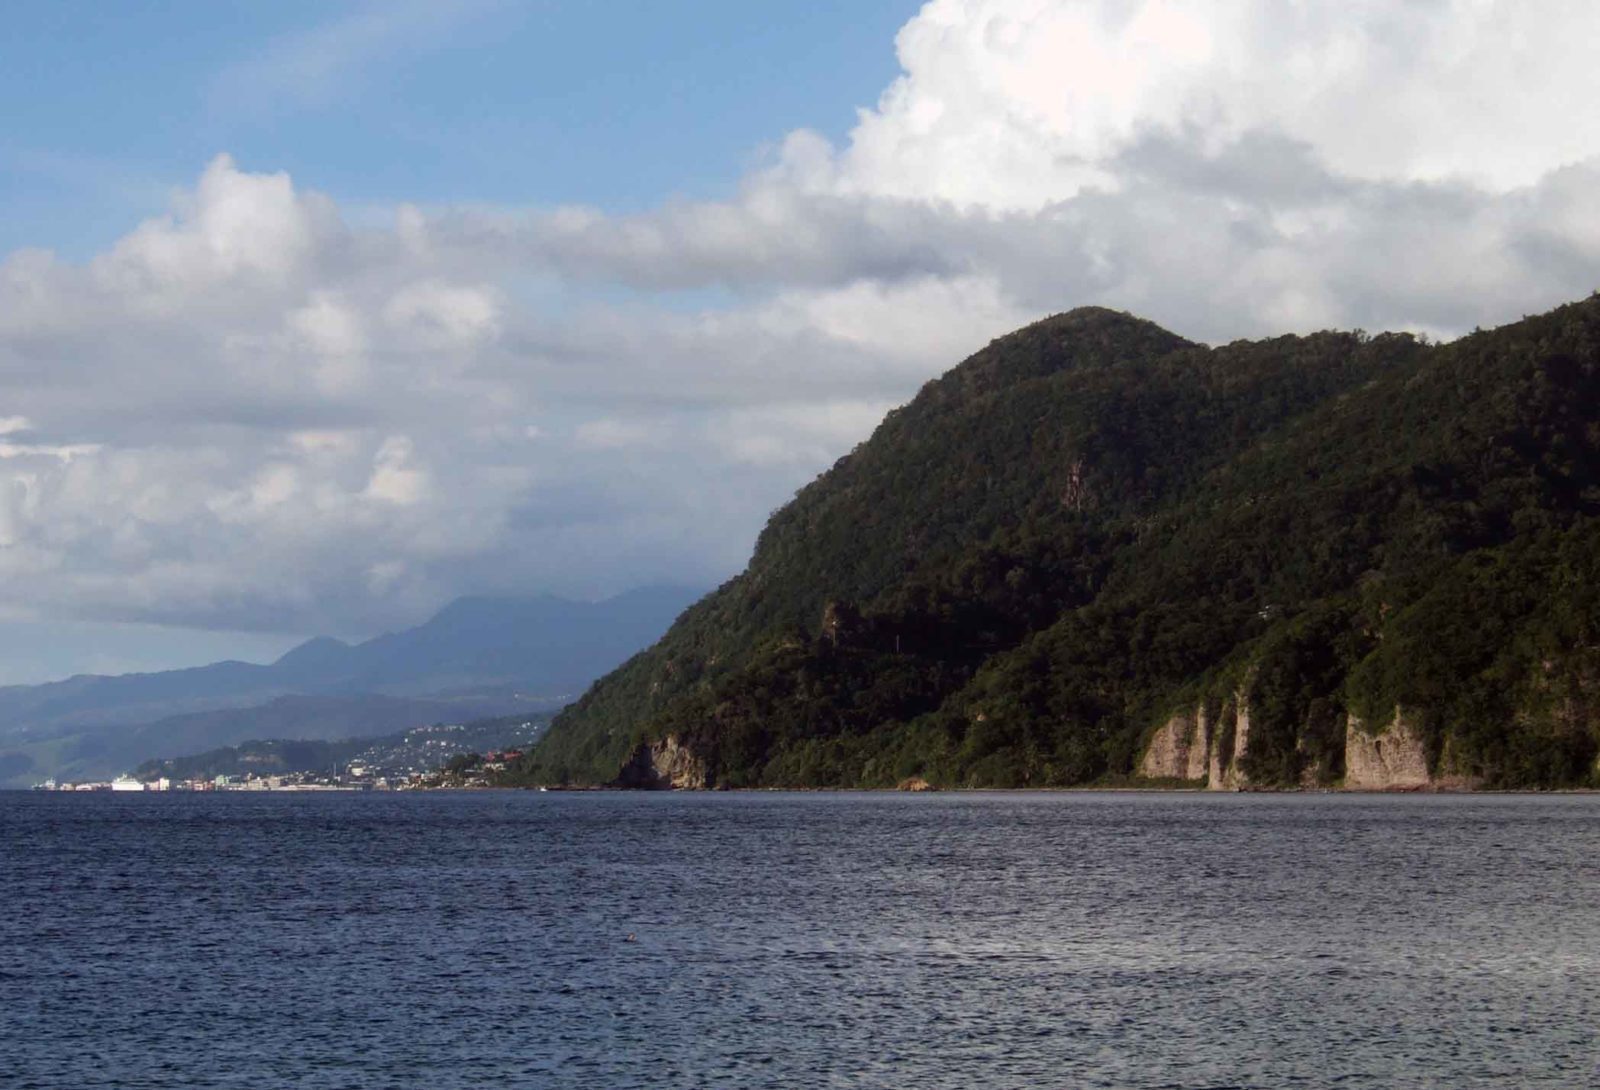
(1094, 551)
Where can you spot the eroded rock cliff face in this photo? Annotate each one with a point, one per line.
(1396, 760)
(1226, 767)
(1178, 751)
(1191, 746)
(1392, 761)
(664, 765)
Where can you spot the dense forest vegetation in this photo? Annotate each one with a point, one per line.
(1092, 523)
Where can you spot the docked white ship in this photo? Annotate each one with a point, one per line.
(126, 783)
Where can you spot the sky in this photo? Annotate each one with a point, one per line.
(316, 316)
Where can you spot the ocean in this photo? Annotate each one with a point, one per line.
(955, 940)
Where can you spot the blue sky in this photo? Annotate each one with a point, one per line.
(314, 317)
(619, 104)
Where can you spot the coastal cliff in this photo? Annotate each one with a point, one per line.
(1092, 521)
(1225, 769)
(1180, 749)
(1395, 759)
(1191, 746)
(664, 765)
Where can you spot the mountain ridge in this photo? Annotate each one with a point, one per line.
(1092, 524)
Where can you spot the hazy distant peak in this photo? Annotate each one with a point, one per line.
(313, 652)
(672, 592)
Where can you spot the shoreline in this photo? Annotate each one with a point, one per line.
(1128, 789)
(1082, 789)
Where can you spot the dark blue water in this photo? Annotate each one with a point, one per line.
(959, 941)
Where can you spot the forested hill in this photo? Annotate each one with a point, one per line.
(1095, 551)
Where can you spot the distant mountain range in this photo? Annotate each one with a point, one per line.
(477, 657)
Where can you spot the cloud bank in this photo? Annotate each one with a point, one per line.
(251, 413)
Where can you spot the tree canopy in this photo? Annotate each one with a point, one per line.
(1092, 522)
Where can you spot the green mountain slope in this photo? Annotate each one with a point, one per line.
(1094, 551)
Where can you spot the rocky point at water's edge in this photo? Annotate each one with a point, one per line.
(1191, 746)
(1202, 746)
(1397, 760)
(665, 764)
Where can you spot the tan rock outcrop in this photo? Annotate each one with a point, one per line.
(1187, 747)
(1199, 754)
(1397, 760)
(1230, 776)
(1198, 763)
(664, 765)
(1178, 750)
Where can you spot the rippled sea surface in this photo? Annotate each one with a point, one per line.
(798, 940)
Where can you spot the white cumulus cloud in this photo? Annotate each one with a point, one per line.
(251, 413)
(1018, 103)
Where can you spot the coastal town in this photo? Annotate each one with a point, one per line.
(463, 771)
